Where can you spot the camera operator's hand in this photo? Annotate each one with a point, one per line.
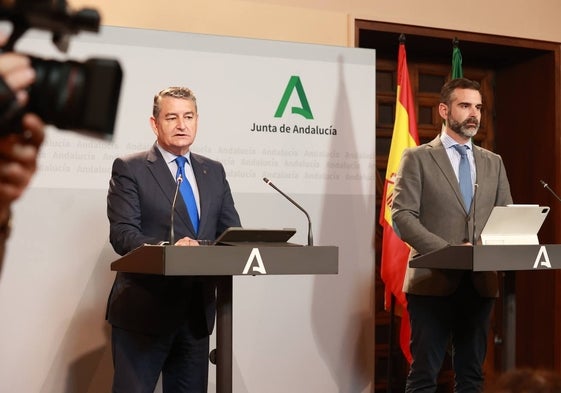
(18, 151)
(17, 73)
(18, 160)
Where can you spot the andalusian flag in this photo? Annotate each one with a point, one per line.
(457, 71)
(394, 251)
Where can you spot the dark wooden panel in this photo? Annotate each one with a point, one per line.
(527, 138)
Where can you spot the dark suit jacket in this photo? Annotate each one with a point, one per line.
(139, 203)
(428, 212)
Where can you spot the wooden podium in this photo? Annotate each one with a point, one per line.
(506, 258)
(224, 262)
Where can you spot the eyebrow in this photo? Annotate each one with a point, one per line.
(469, 103)
(177, 114)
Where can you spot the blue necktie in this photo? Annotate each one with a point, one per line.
(466, 186)
(187, 192)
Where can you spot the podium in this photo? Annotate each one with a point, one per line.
(492, 258)
(224, 262)
(506, 258)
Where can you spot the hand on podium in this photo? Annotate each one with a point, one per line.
(187, 241)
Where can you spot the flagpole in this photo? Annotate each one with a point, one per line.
(455, 42)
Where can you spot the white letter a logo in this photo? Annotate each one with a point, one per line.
(542, 262)
(258, 267)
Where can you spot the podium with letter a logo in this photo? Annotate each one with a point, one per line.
(492, 258)
(231, 256)
(505, 258)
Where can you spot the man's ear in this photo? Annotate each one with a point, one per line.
(154, 125)
(443, 110)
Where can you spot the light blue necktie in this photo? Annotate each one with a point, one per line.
(466, 186)
(187, 193)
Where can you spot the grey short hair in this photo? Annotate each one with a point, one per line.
(175, 92)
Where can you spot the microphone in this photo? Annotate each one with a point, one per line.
(310, 236)
(171, 234)
(550, 190)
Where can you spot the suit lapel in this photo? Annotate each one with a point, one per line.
(480, 168)
(160, 172)
(201, 172)
(441, 158)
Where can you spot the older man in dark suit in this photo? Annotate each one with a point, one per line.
(430, 212)
(162, 324)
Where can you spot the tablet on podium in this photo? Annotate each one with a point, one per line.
(514, 224)
(237, 235)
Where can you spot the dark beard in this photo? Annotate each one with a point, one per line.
(462, 128)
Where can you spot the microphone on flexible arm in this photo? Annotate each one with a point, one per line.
(171, 231)
(310, 236)
(550, 190)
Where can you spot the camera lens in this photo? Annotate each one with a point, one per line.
(57, 92)
(76, 96)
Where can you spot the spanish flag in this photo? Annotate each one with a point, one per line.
(394, 251)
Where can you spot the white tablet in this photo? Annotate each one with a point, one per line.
(514, 224)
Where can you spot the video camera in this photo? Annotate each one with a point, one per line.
(70, 95)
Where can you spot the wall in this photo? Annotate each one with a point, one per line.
(331, 21)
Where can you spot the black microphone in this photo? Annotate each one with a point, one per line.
(550, 190)
(171, 234)
(310, 236)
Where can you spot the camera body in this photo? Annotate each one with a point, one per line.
(70, 95)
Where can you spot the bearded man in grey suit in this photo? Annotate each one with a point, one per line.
(429, 213)
(162, 324)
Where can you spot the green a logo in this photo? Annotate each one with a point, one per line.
(295, 84)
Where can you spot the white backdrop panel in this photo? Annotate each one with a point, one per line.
(298, 334)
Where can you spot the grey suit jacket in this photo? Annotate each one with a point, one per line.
(139, 203)
(428, 213)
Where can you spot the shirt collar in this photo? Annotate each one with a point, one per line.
(169, 157)
(448, 142)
